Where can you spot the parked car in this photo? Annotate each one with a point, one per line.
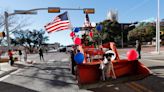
(62, 49)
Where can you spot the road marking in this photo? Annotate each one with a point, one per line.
(65, 59)
(137, 87)
(51, 60)
(153, 60)
(6, 76)
(133, 87)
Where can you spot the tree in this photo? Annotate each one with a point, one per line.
(144, 32)
(110, 32)
(29, 39)
(14, 23)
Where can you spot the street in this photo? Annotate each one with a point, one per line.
(54, 75)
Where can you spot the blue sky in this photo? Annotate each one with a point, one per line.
(128, 11)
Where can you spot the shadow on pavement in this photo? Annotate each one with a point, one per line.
(19, 65)
(53, 74)
(7, 87)
(156, 67)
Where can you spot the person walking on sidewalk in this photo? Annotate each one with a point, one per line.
(25, 55)
(138, 48)
(10, 54)
(41, 54)
(20, 54)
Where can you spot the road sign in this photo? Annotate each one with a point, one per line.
(53, 10)
(25, 12)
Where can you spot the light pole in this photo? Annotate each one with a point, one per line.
(32, 11)
(158, 28)
(7, 29)
(6, 15)
(122, 35)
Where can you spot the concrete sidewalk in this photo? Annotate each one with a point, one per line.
(5, 69)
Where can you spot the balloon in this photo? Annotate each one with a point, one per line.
(132, 54)
(77, 41)
(76, 29)
(91, 34)
(99, 27)
(79, 57)
(72, 34)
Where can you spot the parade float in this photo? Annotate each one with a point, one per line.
(102, 62)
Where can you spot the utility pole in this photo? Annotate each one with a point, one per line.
(122, 35)
(7, 29)
(158, 28)
(32, 11)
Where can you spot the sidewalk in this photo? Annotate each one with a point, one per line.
(5, 69)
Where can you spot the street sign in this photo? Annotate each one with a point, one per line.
(24, 12)
(2, 34)
(89, 10)
(53, 10)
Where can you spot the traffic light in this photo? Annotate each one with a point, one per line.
(89, 10)
(2, 34)
(53, 10)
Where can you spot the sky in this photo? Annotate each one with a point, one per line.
(128, 11)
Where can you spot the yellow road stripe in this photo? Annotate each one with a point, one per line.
(137, 87)
(133, 87)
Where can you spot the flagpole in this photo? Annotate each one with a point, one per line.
(70, 24)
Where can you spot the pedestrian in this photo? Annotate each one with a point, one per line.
(73, 63)
(41, 54)
(20, 54)
(25, 55)
(138, 48)
(10, 54)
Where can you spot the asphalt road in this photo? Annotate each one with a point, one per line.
(54, 75)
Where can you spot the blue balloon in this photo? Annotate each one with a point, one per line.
(76, 29)
(79, 57)
(99, 27)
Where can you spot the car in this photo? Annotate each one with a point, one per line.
(62, 49)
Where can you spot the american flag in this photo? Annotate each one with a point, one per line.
(60, 22)
(87, 21)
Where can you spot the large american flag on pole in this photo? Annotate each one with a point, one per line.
(61, 22)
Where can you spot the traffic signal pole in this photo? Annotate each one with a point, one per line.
(7, 30)
(32, 11)
(158, 28)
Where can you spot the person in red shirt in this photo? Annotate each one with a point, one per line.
(11, 57)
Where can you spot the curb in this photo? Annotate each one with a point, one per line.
(7, 72)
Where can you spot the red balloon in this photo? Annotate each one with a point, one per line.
(91, 34)
(77, 41)
(132, 55)
(72, 34)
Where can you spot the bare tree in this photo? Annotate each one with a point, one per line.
(14, 23)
